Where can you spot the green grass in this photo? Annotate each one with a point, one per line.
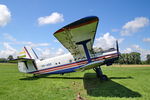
(125, 83)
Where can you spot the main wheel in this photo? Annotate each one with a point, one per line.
(104, 77)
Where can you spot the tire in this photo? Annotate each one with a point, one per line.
(104, 77)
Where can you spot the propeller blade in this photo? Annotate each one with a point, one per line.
(117, 46)
(119, 54)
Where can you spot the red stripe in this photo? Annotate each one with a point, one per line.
(54, 69)
(62, 67)
(106, 58)
(76, 26)
(74, 64)
(68, 66)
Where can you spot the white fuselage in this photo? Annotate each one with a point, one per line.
(64, 64)
(65, 59)
(55, 61)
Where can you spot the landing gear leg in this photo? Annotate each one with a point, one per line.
(100, 74)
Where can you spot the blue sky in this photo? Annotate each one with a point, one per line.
(125, 20)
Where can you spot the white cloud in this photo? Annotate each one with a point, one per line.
(8, 47)
(106, 41)
(31, 44)
(8, 50)
(115, 30)
(134, 26)
(120, 40)
(9, 37)
(146, 39)
(143, 52)
(48, 53)
(127, 50)
(137, 48)
(60, 52)
(54, 18)
(44, 53)
(5, 15)
(13, 40)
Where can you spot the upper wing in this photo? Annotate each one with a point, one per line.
(77, 31)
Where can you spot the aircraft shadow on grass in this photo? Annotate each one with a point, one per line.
(30, 78)
(107, 88)
(97, 88)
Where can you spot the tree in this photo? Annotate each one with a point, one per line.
(130, 58)
(3, 60)
(10, 57)
(148, 59)
(135, 58)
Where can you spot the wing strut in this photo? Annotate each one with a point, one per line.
(83, 43)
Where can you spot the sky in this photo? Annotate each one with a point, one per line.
(33, 22)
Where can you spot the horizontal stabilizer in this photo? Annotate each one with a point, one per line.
(21, 60)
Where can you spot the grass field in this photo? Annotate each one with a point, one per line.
(125, 83)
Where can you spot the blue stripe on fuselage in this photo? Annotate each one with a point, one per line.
(70, 64)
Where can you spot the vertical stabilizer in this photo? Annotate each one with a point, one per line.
(28, 52)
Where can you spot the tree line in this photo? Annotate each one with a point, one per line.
(133, 58)
(5, 60)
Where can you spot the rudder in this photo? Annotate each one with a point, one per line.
(28, 52)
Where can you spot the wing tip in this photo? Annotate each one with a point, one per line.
(78, 23)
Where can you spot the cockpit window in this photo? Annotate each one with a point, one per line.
(70, 61)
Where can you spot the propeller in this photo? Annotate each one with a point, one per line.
(119, 54)
(117, 47)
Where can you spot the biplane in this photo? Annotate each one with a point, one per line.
(78, 38)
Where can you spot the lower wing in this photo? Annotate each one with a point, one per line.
(90, 65)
